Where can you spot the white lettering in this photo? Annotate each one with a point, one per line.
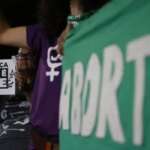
(112, 75)
(91, 92)
(138, 50)
(76, 98)
(64, 101)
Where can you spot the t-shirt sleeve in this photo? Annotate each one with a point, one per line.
(34, 37)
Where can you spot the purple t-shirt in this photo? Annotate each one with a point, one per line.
(46, 91)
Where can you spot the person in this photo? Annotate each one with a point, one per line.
(41, 39)
(14, 113)
(104, 101)
(25, 72)
(78, 8)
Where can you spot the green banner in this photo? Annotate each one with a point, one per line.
(105, 96)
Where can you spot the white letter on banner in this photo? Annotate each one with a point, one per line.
(76, 98)
(90, 95)
(138, 50)
(64, 101)
(112, 75)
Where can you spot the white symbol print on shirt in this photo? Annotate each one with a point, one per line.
(53, 63)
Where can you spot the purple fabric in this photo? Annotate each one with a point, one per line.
(31, 147)
(46, 91)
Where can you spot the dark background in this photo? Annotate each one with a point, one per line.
(17, 13)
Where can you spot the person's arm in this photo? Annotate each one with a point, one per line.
(76, 10)
(13, 36)
(61, 39)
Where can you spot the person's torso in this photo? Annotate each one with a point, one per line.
(45, 97)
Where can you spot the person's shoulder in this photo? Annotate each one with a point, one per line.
(35, 35)
(36, 31)
(35, 27)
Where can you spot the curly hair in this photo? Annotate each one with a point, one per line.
(53, 15)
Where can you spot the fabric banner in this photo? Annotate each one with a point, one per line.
(105, 96)
(7, 77)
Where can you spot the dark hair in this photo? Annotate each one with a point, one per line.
(53, 15)
(19, 12)
(89, 5)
